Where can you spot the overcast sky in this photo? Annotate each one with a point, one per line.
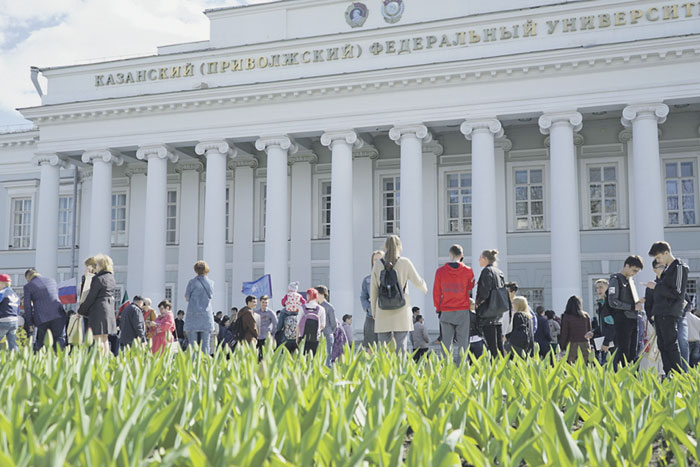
(47, 33)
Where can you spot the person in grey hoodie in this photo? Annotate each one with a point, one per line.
(331, 322)
(419, 338)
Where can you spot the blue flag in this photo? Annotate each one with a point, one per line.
(259, 287)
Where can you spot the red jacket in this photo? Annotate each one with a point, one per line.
(452, 287)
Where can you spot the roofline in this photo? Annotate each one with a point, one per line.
(242, 6)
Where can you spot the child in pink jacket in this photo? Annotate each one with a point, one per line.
(165, 325)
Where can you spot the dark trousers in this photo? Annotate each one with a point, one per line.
(494, 338)
(57, 327)
(667, 340)
(291, 345)
(625, 340)
(694, 351)
(476, 348)
(310, 346)
(419, 353)
(261, 345)
(114, 344)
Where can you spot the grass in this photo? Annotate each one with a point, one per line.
(378, 409)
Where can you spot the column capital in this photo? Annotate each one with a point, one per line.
(189, 165)
(350, 137)
(212, 147)
(367, 150)
(478, 125)
(281, 141)
(303, 155)
(433, 147)
(48, 159)
(132, 170)
(503, 143)
(106, 155)
(549, 120)
(657, 111)
(417, 131)
(85, 172)
(156, 151)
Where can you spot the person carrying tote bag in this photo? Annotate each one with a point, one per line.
(492, 301)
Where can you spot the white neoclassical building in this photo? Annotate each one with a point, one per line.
(303, 132)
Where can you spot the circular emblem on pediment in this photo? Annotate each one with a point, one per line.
(392, 10)
(356, 14)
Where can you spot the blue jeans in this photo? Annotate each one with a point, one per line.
(9, 329)
(329, 348)
(683, 342)
(201, 338)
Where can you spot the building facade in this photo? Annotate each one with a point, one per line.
(303, 132)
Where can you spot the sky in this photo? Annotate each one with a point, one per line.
(48, 33)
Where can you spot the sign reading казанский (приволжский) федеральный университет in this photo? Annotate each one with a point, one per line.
(586, 28)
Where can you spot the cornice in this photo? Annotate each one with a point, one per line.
(19, 138)
(445, 74)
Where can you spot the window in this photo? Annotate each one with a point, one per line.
(603, 196)
(171, 218)
(118, 297)
(459, 202)
(680, 193)
(325, 224)
(65, 221)
(21, 223)
(692, 290)
(169, 292)
(535, 297)
(529, 199)
(391, 200)
(119, 234)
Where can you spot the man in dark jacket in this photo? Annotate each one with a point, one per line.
(542, 336)
(43, 309)
(132, 324)
(246, 321)
(669, 303)
(624, 303)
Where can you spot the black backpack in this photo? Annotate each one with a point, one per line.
(237, 330)
(391, 294)
(499, 300)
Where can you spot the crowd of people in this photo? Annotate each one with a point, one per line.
(494, 319)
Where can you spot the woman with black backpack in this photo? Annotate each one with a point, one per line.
(492, 300)
(391, 305)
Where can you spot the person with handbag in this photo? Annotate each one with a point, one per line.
(199, 319)
(492, 301)
(98, 306)
(389, 299)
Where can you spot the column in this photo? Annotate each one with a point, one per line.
(277, 211)
(341, 244)
(564, 205)
(431, 152)
(214, 252)
(188, 226)
(649, 196)
(137, 224)
(154, 261)
(411, 139)
(244, 166)
(300, 234)
(502, 145)
(84, 224)
(47, 214)
(481, 132)
(363, 228)
(101, 202)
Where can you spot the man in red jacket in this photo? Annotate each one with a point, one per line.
(451, 296)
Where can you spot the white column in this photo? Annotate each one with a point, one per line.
(363, 233)
(188, 226)
(84, 225)
(564, 205)
(502, 146)
(341, 244)
(411, 139)
(215, 217)
(431, 151)
(277, 211)
(47, 214)
(156, 210)
(647, 203)
(300, 234)
(101, 202)
(137, 224)
(244, 166)
(484, 208)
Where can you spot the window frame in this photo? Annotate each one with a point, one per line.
(260, 202)
(511, 168)
(31, 224)
(696, 278)
(120, 191)
(622, 189)
(317, 206)
(69, 221)
(176, 189)
(443, 211)
(379, 175)
(679, 158)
